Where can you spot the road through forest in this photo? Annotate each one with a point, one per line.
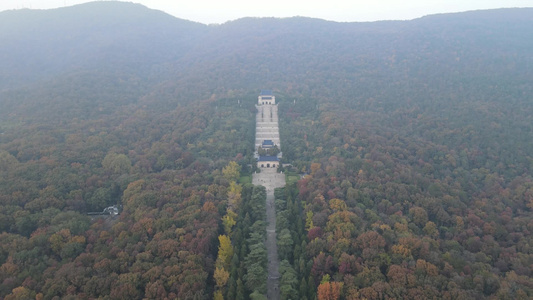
(270, 179)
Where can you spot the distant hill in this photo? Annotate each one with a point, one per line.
(130, 38)
(110, 54)
(40, 44)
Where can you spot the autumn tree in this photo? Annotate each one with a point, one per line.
(232, 171)
(329, 290)
(234, 196)
(225, 252)
(116, 163)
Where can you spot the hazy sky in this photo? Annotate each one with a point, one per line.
(220, 11)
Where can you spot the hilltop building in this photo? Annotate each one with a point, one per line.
(266, 98)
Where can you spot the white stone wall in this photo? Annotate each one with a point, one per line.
(266, 100)
(268, 164)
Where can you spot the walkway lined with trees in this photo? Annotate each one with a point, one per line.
(267, 132)
(271, 179)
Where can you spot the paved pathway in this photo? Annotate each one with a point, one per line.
(267, 128)
(270, 179)
(266, 125)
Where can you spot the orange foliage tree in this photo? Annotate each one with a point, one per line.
(329, 291)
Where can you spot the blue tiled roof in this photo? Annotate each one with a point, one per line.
(268, 142)
(267, 158)
(266, 93)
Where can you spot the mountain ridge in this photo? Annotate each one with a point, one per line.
(160, 50)
(87, 34)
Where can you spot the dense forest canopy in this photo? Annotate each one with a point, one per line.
(416, 139)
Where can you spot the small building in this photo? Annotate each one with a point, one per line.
(267, 162)
(111, 210)
(267, 144)
(266, 98)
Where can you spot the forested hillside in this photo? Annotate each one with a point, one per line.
(415, 139)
